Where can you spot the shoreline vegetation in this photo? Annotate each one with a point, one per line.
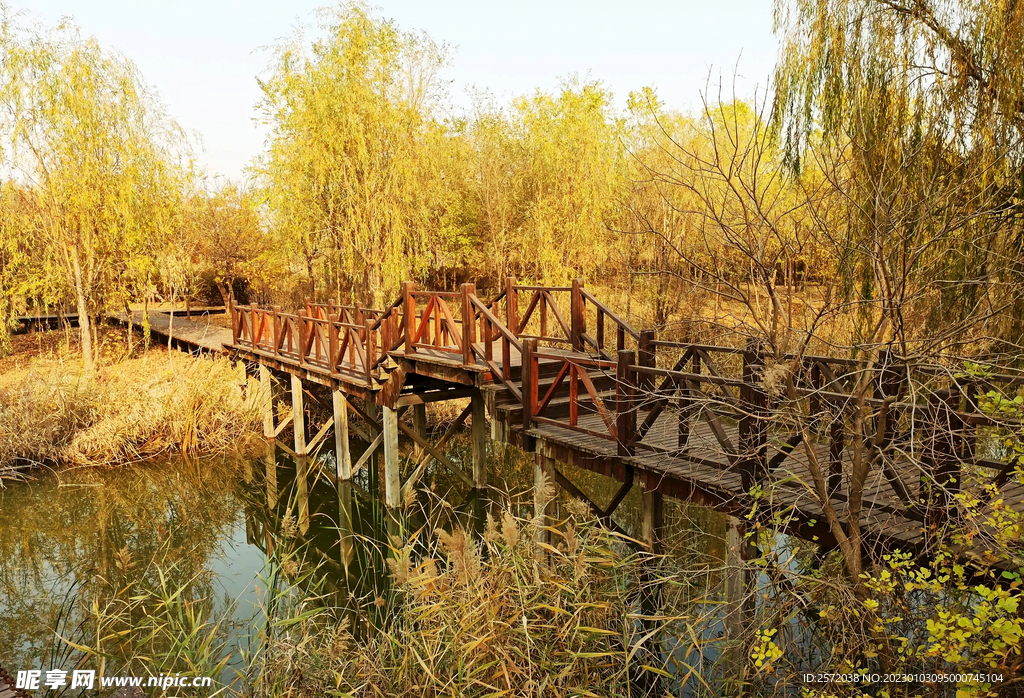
(135, 405)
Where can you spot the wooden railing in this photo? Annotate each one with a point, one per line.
(577, 357)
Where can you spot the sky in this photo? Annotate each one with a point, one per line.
(203, 56)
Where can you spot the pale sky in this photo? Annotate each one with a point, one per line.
(203, 56)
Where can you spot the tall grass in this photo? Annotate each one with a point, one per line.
(505, 614)
(53, 413)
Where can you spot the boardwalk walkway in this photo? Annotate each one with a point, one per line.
(564, 376)
(190, 335)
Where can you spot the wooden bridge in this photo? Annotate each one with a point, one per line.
(562, 375)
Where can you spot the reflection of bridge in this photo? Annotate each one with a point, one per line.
(564, 376)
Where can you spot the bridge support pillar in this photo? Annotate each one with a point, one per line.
(479, 437)
(298, 416)
(267, 401)
(392, 459)
(654, 521)
(342, 450)
(739, 598)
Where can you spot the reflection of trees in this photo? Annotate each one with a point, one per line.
(90, 537)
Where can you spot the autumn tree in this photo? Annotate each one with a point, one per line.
(229, 235)
(93, 152)
(348, 173)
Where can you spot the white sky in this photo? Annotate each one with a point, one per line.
(202, 55)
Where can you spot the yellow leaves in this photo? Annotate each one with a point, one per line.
(765, 651)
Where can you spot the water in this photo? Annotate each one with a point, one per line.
(234, 535)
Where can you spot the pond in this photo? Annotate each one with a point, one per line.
(88, 556)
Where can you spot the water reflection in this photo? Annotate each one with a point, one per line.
(223, 541)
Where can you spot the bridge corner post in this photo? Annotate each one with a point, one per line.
(625, 403)
(392, 459)
(511, 305)
(468, 324)
(479, 438)
(267, 401)
(370, 351)
(529, 390)
(409, 312)
(298, 416)
(578, 314)
(753, 424)
(342, 450)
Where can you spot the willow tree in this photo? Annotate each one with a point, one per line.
(86, 143)
(349, 173)
(574, 171)
(920, 109)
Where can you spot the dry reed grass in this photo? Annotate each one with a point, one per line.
(505, 615)
(52, 413)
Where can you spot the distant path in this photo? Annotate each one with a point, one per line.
(187, 334)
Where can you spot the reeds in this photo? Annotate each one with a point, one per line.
(52, 413)
(522, 611)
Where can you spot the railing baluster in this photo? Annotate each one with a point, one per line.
(303, 330)
(625, 409)
(333, 360)
(370, 351)
(277, 330)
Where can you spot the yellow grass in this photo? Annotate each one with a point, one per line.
(52, 413)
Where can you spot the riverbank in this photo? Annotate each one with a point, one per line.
(139, 403)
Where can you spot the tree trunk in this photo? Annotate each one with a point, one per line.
(84, 321)
(224, 295)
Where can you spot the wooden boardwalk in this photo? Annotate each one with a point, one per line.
(190, 335)
(564, 376)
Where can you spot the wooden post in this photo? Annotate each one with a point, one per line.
(270, 465)
(252, 325)
(303, 333)
(739, 599)
(654, 521)
(333, 360)
(236, 319)
(511, 305)
(342, 450)
(392, 460)
(529, 391)
(277, 330)
(298, 416)
(267, 401)
(302, 492)
(577, 315)
(371, 351)
(625, 404)
(409, 310)
(419, 427)
(646, 357)
(468, 324)
(753, 423)
(479, 440)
